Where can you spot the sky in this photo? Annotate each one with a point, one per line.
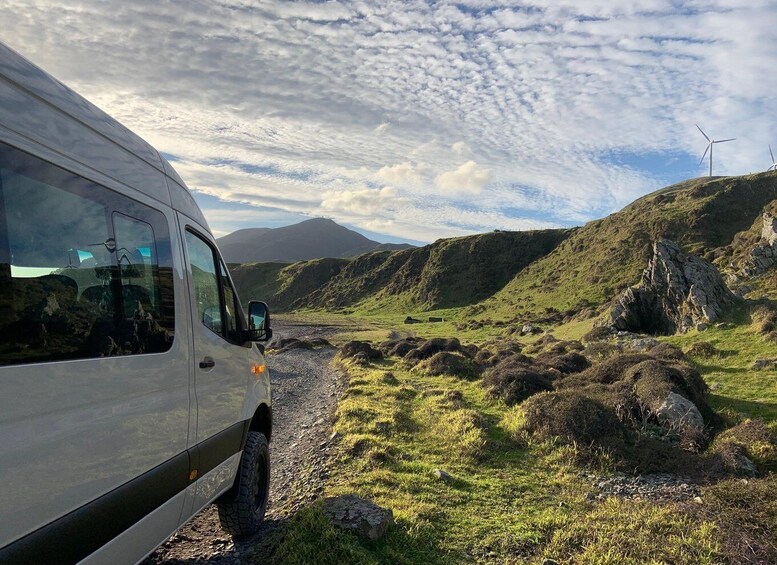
(412, 121)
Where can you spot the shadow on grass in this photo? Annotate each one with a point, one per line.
(748, 408)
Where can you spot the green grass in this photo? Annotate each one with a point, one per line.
(511, 501)
(736, 390)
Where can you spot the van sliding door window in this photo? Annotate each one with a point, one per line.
(84, 271)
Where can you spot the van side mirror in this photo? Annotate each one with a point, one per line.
(258, 322)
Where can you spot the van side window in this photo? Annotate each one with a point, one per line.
(84, 271)
(231, 305)
(205, 283)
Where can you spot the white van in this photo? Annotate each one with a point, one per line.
(132, 392)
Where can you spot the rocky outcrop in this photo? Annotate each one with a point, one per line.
(678, 291)
(763, 256)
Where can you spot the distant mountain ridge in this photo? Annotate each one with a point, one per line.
(312, 239)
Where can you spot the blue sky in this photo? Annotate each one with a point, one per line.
(419, 120)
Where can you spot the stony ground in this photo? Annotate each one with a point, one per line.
(305, 389)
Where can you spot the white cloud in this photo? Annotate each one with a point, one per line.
(362, 202)
(460, 148)
(400, 174)
(469, 178)
(381, 128)
(562, 113)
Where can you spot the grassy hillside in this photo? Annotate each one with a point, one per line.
(448, 273)
(605, 256)
(280, 284)
(507, 275)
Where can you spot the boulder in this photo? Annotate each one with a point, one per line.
(678, 291)
(352, 513)
(679, 413)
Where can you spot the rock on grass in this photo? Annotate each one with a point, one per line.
(354, 514)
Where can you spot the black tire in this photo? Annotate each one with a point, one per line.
(241, 511)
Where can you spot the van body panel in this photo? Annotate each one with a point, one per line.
(51, 127)
(72, 431)
(142, 538)
(183, 202)
(37, 81)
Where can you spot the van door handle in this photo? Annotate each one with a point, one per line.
(207, 363)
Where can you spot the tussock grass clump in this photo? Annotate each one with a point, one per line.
(574, 418)
(612, 369)
(353, 348)
(514, 380)
(446, 363)
(567, 363)
(599, 333)
(764, 319)
(654, 381)
(755, 438)
(566, 347)
(703, 349)
(745, 514)
(461, 433)
(600, 350)
(668, 352)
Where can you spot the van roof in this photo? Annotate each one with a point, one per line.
(62, 120)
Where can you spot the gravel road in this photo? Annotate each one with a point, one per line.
(305, 389)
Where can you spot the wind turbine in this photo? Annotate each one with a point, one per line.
(774, 163)
(709, 146)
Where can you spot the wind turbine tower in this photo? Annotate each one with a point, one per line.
(774, 163)
(710, 143)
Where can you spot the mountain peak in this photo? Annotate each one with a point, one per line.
(310, 239)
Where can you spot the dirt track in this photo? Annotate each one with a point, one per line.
(305, 389)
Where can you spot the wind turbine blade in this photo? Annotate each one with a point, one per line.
(723, 140)
(770, 153)
(705, 153)
(702, 132)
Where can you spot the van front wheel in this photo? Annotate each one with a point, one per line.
(241, 512)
